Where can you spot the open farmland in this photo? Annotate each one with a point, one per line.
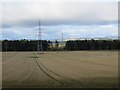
(60, 69)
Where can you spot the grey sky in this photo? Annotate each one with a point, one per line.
(17, 17)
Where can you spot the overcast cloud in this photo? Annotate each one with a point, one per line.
(76, 19)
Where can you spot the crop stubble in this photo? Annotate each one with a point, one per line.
(60, 69)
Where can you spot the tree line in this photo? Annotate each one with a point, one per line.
(72, 45)
(23, 45)
(93, 45)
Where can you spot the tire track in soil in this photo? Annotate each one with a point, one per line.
(39, 64)
(51, 70)
(71, 58)
(66, 80)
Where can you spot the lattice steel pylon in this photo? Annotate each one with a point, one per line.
(39, 47)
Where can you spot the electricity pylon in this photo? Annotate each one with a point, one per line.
(39, 47)
(62, 44)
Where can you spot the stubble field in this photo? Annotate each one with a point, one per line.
(60, 69)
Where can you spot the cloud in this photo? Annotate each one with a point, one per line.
(75, 19)
(55, 32)
(28, 14)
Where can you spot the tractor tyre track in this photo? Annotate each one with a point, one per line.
(45, 72)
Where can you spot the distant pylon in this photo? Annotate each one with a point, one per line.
(62, 41)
